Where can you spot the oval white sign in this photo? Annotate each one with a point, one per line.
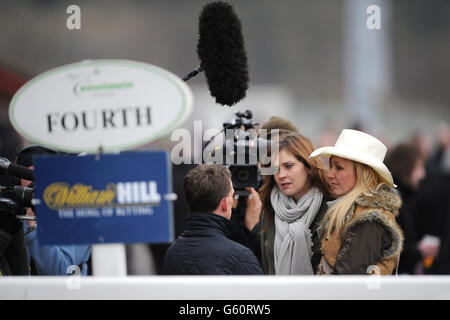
(113, 104)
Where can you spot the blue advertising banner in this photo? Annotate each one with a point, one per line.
(107, 198)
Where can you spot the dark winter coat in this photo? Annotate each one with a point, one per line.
(268, 239)
(433, 212)
(406, 219)
(206, 248)
(13, 255)
(248, 238)
(371, 241)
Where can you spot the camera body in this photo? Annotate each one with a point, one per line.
(242, 148)
(15, 199)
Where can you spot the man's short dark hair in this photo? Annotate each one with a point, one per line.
(205, 185)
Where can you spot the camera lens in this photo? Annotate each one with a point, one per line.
(242, 175)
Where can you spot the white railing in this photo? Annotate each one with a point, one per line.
(226, 287)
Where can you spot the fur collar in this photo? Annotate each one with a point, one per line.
(384, 197)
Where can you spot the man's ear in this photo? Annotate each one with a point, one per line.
(223, 205)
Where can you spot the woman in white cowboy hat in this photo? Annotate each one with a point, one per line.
(359, 232)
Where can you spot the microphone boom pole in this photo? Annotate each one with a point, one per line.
(195, 72)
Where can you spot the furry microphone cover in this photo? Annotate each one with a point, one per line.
(222, 53)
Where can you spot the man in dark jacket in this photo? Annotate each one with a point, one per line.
(206, 246)
(13, 256)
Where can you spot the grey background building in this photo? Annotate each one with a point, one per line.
(314, 62)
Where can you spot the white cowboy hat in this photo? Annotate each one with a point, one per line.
(360, 147)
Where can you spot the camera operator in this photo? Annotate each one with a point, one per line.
(52, 259)
(13, 256)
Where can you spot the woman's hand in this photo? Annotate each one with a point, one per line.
(253, 211)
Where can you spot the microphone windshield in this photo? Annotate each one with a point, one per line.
(222, 53)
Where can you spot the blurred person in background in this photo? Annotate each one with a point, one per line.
(51, 259)
(436, 160)
(433, 207)
(441, 265)
(359, 233)
(407, 166)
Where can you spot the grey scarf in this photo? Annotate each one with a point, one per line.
(292, 247)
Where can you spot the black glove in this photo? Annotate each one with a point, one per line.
(8, 221)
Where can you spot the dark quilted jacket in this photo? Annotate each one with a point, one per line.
(206, 248)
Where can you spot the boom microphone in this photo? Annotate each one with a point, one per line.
(222, 54)
(15, 170)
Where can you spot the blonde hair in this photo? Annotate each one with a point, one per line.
(366, 181)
